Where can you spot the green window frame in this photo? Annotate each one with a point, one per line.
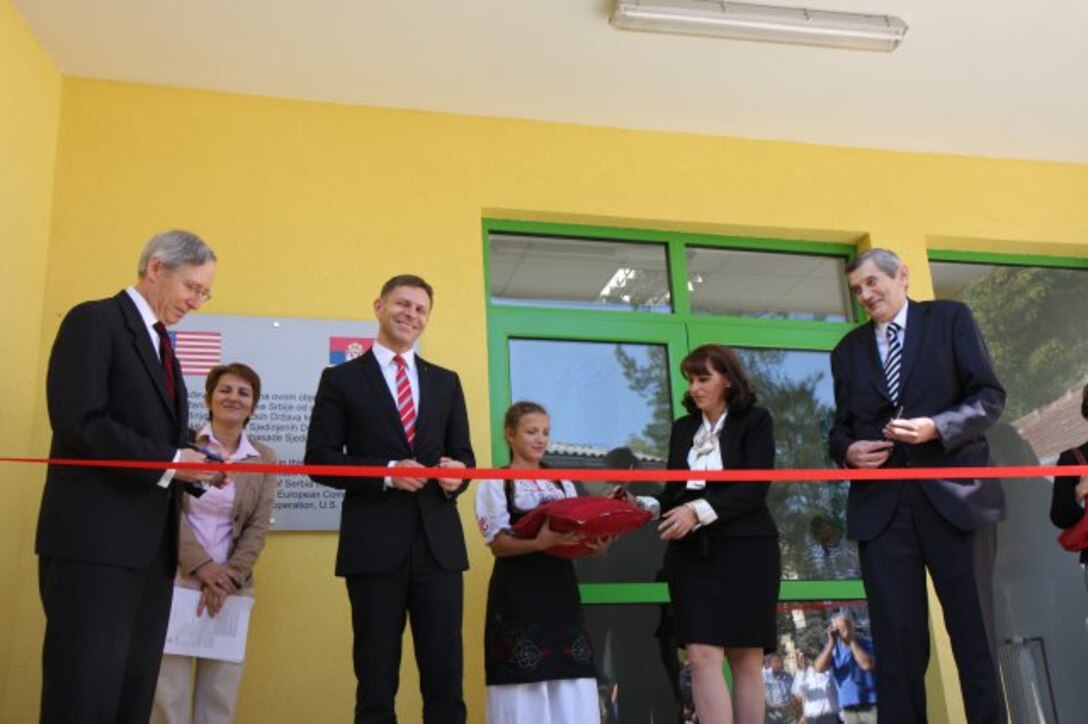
(681, 330)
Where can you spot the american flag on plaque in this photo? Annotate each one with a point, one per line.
(197, 352)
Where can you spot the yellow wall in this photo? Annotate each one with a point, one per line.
(30, 90)
(311, 206)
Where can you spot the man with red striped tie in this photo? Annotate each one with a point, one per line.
(402, 549)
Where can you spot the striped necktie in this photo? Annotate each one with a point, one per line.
(893, 362)
(406, 407)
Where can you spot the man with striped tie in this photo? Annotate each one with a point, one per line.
(402, 549)
(915, 388)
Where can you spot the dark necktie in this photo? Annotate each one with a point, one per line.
(894, 361)
(166, 356)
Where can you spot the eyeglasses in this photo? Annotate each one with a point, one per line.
(200, 291)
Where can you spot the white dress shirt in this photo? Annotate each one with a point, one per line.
(385, 356)
(150, 320)
(882, 333)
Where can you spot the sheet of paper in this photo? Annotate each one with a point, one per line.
(222, 638)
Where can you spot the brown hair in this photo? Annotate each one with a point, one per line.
(518, 410)
(238, 369)
(407, 280)
(740, 395)
(514, 413)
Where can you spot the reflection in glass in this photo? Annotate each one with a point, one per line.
(600, 395)
(543, 271)
(610, 408)
(638, 663)
(803, 626)
(796, 387)
(1035, 323)
(768, 285)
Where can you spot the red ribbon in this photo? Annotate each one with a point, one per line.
(595, 474)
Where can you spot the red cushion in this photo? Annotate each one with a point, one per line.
(1074, 538)
(592, 517)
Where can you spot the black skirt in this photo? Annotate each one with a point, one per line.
(535, 630)
(725, 590)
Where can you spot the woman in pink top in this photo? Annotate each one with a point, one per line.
(221, 535)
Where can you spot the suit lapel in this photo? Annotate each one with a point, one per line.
(727, 438)
(375, 379)
(426, 396)
(874, 368)
(913, 340)
(141, 340)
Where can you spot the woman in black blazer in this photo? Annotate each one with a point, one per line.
(722, 561)
(1067, 501)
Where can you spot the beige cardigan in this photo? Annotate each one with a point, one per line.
(254, 496)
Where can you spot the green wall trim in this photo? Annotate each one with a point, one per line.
(679, 330)
(594, 594)
(623, 233)
(984, 257)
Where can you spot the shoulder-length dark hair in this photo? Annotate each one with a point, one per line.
(723, 360)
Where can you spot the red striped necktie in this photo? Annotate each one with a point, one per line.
(406, 407)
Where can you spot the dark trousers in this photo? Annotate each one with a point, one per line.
(380, 604)
(893, 566)
(104, 632)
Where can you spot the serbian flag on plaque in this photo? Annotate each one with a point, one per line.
(345, 349)
(198, 352)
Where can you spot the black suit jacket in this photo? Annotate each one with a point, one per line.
(355, 422)
(747, 442)
(106, 394)
(947, 376)
(1065, 511)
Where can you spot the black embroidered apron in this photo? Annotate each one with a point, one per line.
(535, 630)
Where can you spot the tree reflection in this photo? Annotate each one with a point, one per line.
(811, 516)
(1034, 323)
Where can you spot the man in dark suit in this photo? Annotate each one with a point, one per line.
(107, 538)
(915, 388)
(402, 549)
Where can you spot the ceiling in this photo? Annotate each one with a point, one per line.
(974, 77)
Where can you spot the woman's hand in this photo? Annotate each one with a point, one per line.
(599, 546)
(1081, 491)
(547, 538)
(619, 492)
(211, 599)
(219, 577)
(677, 523)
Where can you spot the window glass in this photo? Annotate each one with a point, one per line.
(803, 628)
(545, 271)
(642, 674)
(638, 662)
(609, 406)
(796, 387)
(767, 285)
(1035, 323)
(600, 395)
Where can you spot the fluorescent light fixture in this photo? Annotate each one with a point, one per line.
(742, 21)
